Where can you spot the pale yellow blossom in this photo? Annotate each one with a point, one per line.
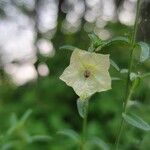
(87, 73)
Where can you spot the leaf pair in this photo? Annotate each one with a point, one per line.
(98, 44)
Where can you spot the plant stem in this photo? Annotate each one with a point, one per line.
(145, 75)
(132, 47)
(84, 128)
(129, 92)
(125, 109)
(119, 134)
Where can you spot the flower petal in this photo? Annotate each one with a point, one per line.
(104, 81)
(76, 58)
(85, 88)
(69, 75)
(96, 64)
(94, 59)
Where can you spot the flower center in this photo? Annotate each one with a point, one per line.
(87, 73)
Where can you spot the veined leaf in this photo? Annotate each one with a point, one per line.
(145, 51)
(119, 39)
(81, 106)
(68, 47)
(136, 121)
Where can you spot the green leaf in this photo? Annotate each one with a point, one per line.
(119, 39)
(91, 48)
(136, 83)
(144, 51)
(70, 133)
(81, 106)
(11, 129)
(8, 146)
(114, 65)
(25, 116)
(40, 138)
(13, 119)
(68, 47)
(136, 121)
(96, 41)
(115, 78)
(20, 123)
(99, 143)
(124, 71)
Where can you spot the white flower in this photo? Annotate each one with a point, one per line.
(87, 73)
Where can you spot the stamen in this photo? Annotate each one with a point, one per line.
(87, 74)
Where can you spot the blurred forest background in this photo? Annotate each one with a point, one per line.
(31, 32)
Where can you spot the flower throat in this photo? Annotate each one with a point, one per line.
(87, 73)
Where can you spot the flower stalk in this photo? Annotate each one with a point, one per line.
(84, 128)
(129, 88)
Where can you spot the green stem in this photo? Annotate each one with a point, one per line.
(136, 22)
(132, 48)
(119, 134)
(84, 129)
(128, 78)
(125, 109)
(129, 91)
(145, 75)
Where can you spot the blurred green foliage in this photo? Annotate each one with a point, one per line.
(53, 104)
